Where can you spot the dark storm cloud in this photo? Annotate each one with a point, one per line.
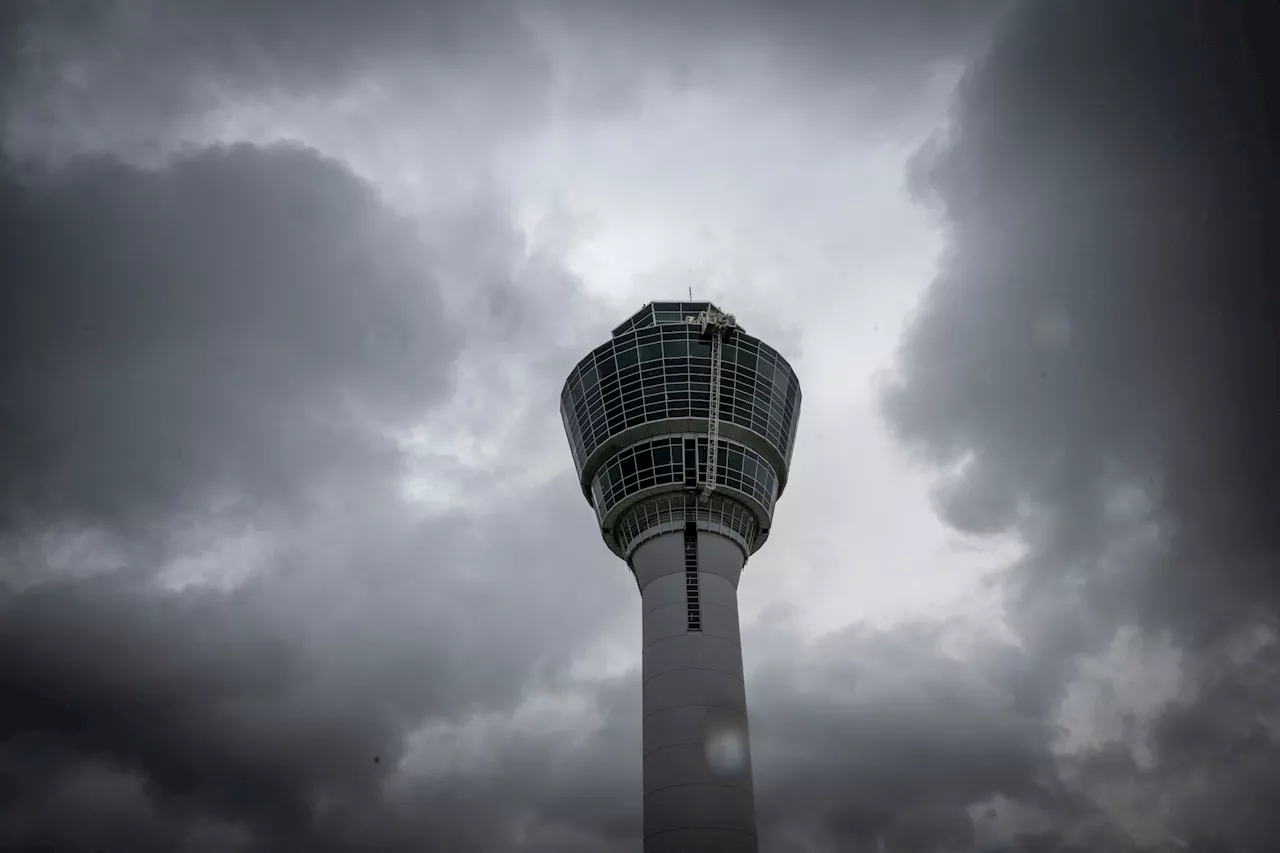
(838, 41)
(238, 329)
(123, 73)
(1097, 363)
(881, 733)
(282, 706)
(217, 353)
(613, 55)
(117, 74)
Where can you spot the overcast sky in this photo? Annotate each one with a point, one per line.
(291, 553)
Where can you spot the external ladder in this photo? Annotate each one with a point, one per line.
(717, 325)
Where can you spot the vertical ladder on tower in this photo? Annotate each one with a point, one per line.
(718, 325)
(693, 604)
(692, 600)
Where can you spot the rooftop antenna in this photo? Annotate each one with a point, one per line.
(691, 293)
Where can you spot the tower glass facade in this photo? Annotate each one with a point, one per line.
(627, 404)
(638, 413)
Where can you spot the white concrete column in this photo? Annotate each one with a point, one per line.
(698, 793)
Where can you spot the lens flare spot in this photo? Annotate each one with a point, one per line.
(726, 748)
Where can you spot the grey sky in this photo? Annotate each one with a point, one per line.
(1097, 364)
(291, 556)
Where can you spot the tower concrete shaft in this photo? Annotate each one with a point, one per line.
(698, 792)
(681, 428)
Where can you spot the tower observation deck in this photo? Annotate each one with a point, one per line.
(681, 428)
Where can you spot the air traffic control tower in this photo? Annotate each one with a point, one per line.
(641, 412)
